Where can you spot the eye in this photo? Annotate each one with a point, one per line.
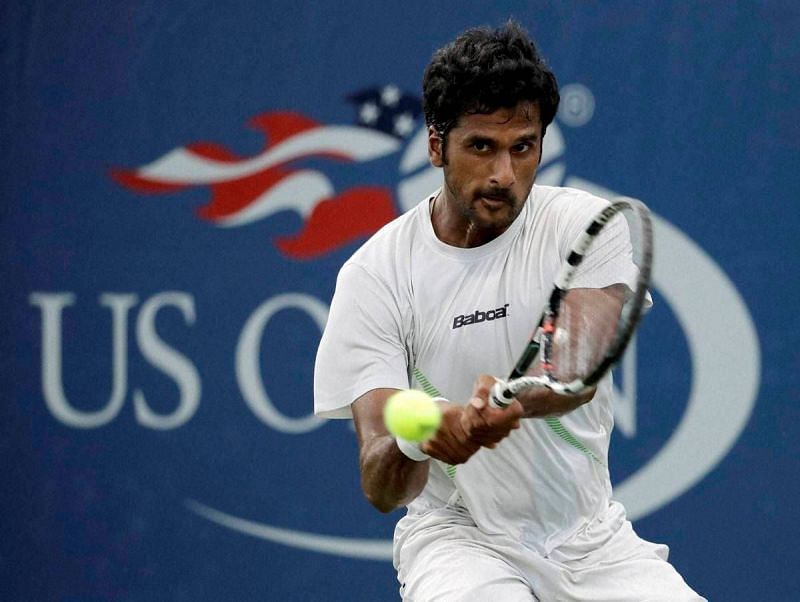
(522, 147)
(481, 146)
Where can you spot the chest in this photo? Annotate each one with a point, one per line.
(475, 317)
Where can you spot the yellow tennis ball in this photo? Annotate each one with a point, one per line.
(412, 415)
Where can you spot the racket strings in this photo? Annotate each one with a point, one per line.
(591, 319)
(585, 333)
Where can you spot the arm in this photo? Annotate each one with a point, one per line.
(389, 478)
(541, 403)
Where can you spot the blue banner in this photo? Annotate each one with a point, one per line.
(181, 182)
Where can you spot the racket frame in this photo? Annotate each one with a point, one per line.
(504, 392)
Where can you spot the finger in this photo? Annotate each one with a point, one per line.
(483, 385)
(478, 402)
(449, 449)
(473, 420)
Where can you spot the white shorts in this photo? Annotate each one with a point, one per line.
(448, 559)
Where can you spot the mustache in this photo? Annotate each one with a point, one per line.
(502, 194)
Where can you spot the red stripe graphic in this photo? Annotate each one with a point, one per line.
(356, 213)
(335, 221)
(228, 198)
(280, 126)
(129, 179)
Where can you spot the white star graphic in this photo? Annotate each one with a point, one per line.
(369, 112)
(390, 95)
(403, 124)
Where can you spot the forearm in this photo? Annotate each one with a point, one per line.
(388, 477)
(539, 402)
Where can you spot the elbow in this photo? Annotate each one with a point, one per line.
(385, 508)
(379, 502)
(376, 493)
(389, 480)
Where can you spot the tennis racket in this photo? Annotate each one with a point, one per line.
(585, 326)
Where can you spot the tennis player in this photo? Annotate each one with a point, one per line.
(499, 505)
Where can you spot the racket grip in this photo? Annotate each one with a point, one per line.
(500, 395)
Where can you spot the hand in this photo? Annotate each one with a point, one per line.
(465, 429)
(485, 424)
(450, 444)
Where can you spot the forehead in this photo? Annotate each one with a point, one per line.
(521, 120)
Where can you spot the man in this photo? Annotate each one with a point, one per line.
(499, 508)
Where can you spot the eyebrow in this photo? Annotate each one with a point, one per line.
(476, 137)
(470, 138)
(531, 137)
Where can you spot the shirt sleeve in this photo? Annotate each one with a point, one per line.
(363, 345)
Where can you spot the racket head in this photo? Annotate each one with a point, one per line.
(596, 304)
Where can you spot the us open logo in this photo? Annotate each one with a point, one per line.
(721, 339)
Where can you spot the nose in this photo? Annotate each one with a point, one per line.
(502, 171)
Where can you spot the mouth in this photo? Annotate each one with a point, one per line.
(494, 202)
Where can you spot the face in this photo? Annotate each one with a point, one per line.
(489, 162)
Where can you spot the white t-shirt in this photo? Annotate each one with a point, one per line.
(412, 311)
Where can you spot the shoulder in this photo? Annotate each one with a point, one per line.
(399, 231)
(559, 214)
(561, 200)
(388, 250)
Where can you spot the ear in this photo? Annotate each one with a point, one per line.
(435, 147)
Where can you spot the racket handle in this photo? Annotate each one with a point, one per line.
(500, 395)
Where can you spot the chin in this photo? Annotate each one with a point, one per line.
(493, 224)
(497, 220)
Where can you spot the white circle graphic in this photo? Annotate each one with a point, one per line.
(726, 368)
(577, 105)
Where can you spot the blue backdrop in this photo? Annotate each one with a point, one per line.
(181, 182)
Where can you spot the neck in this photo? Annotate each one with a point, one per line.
(455, 227)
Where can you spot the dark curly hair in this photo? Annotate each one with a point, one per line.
(484, 70)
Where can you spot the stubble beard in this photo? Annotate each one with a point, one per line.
(497, 220)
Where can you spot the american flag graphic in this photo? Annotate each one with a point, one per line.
(244, 190)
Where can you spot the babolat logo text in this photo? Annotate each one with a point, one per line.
(480, 316)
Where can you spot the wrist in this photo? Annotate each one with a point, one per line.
(411, 450)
